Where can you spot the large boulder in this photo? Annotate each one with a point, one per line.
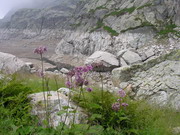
(57, 102)
(131, 57)
(157, 80)
(11, 64)
(108, 60)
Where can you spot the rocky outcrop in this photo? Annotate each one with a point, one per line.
(141, 40)
(48, 14)
(124, 15)
(11, 64)
(119, 25)
(157, 80)
(60, 109)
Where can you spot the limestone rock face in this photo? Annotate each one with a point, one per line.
(125, 15)
(107, 59)
(11, 64)
(157, 81)
(56, 102)
(84, 43)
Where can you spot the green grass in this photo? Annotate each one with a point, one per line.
(35, 82)
(110, 31)
(139, 118)
(99, 25)
(121, 12)
(168, 29)
(143, 24)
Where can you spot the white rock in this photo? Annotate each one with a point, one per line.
(64, 91)
(11, 64)
(64, 70)
(131, 57)
(149, 53)
(56, 71)
(120, 53)
(56, 102)
(31, 65)
(122, 62)
(108, 59)
(176, 130)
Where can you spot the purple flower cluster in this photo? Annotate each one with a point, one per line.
(117, 105)
(40, 50)
(77, 77)
(122, 93)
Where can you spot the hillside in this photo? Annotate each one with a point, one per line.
(83, 27)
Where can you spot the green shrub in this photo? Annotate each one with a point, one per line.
(169, 29)
(138, 118)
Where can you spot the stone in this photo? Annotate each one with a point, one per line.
(64, 70)
(56, 71)
(118, 73)
(123, 85)
(120, 53)
(107, 59)
(131, 57)
(149, 53)
(122, 62)
(31, 65)
(64, 91)
(56, 102)
(176, 130)
(157, 80)
(1, 76)
(11, 64)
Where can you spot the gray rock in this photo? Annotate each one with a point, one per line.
(176, 130)
(64, 91)
(56, 102)
(11, 64)
(109, 60)
(56, 71)
(149, 53)
(131, 57)
(64, 70)
(122, 62)
(118, 73)
(157, 81)
(31, 65)
(123, 85)
(120, 53)
(1, 76)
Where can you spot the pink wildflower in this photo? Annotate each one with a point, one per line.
(116, 106)
(89, 89)
(122, 93)
(40, 50)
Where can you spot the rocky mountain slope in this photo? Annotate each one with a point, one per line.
(32, 20)
(108, 25)
(111, 25)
